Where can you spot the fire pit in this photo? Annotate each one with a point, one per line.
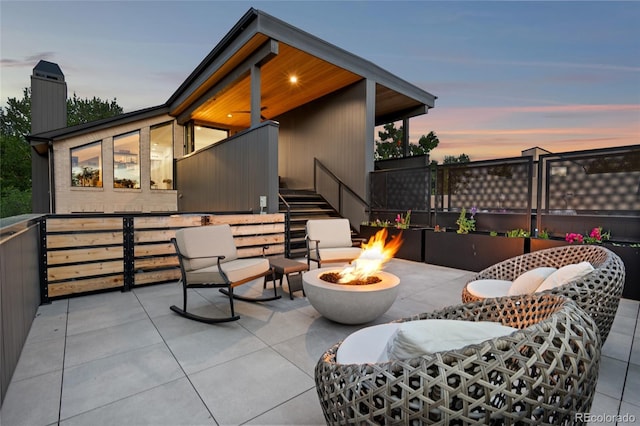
(350, 304)
(357, 293)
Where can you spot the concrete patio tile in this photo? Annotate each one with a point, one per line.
(158, 305)
(611, 377)
(217, 344)
(603, 405)
(104, 342)
(39, 357)
(632, 386)
(245, 387)
(50, 321)
(624, 325)
(305, 350)
(274, 327)
(628, 308)
(172, 404)
(302, 410)
(630, 413)
(111, 299)
(635, 352)
(33, 401)
(106, 380)
(106, 314)
(617, 346)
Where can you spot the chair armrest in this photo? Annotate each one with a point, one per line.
(204, 257)
(357, 242)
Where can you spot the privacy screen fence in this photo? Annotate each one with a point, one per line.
(599, 186)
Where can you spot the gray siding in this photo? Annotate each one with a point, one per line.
(19, 297)
(231, 175)
(332, 129)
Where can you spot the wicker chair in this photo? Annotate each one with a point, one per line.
(598, 293)
(542, 374)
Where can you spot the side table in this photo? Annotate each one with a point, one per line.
(284, 267)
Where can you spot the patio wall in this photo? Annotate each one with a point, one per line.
(19, 293)
(87, 253)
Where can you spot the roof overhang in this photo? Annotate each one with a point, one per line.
(218, 92)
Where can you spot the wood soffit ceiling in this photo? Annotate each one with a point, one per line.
(316, 78)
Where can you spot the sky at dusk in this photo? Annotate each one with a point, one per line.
(509, 76)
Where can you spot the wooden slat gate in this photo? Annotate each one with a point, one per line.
(87, 253)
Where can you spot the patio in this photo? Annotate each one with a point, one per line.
(124, 358)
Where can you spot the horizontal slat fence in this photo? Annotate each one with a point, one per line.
(90, 253)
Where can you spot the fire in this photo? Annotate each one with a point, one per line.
(374, 255)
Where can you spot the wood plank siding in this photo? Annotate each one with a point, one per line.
(87, 254)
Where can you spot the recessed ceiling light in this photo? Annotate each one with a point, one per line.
(293, 79)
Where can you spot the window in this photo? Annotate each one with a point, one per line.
(161, 139)
(199, 136)
(86, 165)
(126, 164)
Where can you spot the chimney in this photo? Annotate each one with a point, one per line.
(48, 112)
(48, 98)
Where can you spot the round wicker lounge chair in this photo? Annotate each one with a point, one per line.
(543, 373)
(598, 293)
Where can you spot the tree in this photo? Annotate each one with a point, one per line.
(15, 152)
(452, 159)
(390, 143)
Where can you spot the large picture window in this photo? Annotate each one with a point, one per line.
(162, 156)
(126, 160)
(86, 165)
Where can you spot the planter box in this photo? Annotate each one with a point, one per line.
(471, 252)
(413, 241)
(536, 244)
(631, 258)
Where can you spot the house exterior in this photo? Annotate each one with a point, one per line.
(264, 105)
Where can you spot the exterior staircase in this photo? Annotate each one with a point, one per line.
(301, 205)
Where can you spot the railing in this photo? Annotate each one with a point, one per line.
(287, 227)
(19, 290)
(356, 210)
(560, 193)
(87, 253)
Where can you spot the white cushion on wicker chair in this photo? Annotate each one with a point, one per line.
(367, 345)
(424, 337)
(565, 274)
(529, 282)
(489, 288)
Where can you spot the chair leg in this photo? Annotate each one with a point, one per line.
(231, 300)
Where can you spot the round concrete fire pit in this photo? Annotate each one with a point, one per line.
(350, 304)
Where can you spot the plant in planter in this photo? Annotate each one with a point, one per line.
(466, 224)
(596, 236)
(517, 233)
(403, 221)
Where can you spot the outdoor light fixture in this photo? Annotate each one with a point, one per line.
(229, 115)
(293, 79)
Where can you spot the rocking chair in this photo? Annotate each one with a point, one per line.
(209, 259)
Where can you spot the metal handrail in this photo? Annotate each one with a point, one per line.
(317, 163)
(287, 227)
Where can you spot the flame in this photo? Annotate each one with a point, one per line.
(375, 254)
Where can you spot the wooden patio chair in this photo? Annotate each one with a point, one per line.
(329, 241)
(209, 258)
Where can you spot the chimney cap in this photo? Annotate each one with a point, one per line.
(49, 70)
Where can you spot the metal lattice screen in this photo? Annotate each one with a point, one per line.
(593, 183)
(401, 189)
(495, 186)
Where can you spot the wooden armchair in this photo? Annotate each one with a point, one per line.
(208, 258)
(329, 241)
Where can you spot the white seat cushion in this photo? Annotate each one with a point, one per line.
(565, 274)
(339, 253)
(417, 338)
(489, 288)
(367, 345)
(528, 282)
(235, 270)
